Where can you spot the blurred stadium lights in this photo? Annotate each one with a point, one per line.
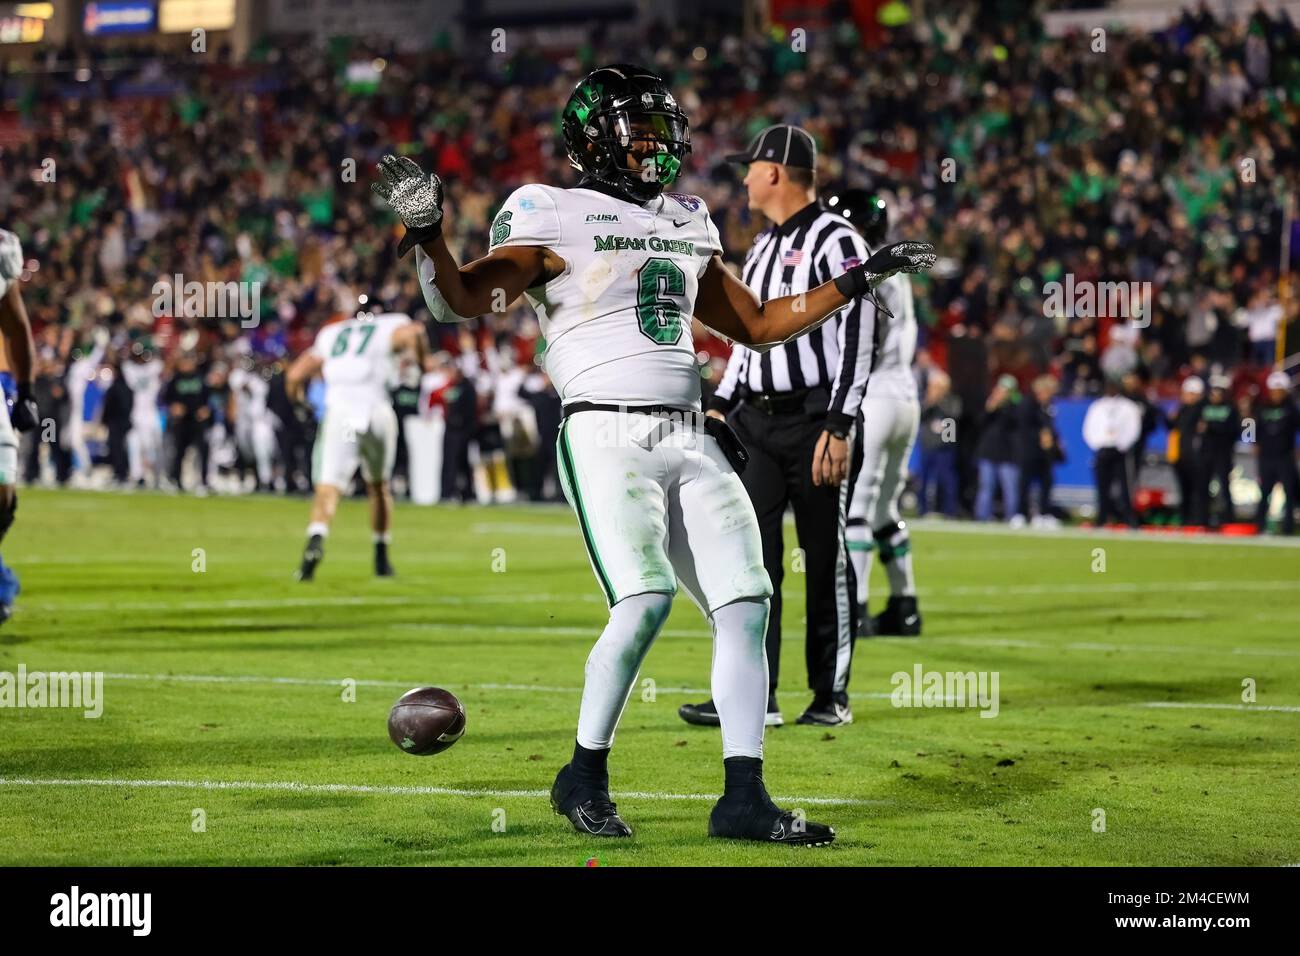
(405, 24)
(1150, 15)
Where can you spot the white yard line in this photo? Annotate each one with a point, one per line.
(591, 631)
(294, 786)
(533, 597)
(1155, 588)
(394, 600)
(940, 526)
(1098, 647)
(1187, 705)
(369, 682)
(1150, 537)
(549, 689)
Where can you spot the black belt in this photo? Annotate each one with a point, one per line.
(780, 403)
(685, 415)
(721, 432)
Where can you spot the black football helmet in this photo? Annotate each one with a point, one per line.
(865, 210)
(610, 110)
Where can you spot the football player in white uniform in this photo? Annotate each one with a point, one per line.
(254, 422)
(144, 445)
(891, 414)
(17, 358)
(615, 268)
(357, 358)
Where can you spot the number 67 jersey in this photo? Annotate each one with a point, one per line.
(617, 321)
(360, 426)
(357, 360)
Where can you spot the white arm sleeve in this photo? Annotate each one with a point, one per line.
(438, 306)
(11, 260)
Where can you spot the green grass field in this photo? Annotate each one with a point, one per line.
(224, 693)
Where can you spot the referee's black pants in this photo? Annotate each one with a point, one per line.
(1277, 470)
(1111, 469)
(781, 450)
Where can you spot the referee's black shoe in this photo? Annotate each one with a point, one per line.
(588, 807)
(900, 618)
(706, 714)
(827, 710)
(866, 623)
(758, 818)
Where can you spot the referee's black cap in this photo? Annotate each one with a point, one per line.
(787, 145)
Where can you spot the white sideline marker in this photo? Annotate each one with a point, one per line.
(296, 787)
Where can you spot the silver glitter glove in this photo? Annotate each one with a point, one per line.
(414, 196)
(862, 280)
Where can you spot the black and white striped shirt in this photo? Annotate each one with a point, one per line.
(811, 247)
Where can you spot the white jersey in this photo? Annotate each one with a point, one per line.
(891, 372)
(617, 321)
(145, 381)
(251, 392)
(359, 365)
(11, 260)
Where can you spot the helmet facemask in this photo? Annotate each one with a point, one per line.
(635, 143)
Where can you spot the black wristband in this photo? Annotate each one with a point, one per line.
(24, 392)
(838, 424)
(853, 284)
(719, 404)
(416, 237)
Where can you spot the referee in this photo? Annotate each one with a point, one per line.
(795, 408)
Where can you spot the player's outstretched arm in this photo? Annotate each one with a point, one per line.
(412, 337)
(485, 285)
(725, 304)
(728, 306)
(489, 284)
(304, 368)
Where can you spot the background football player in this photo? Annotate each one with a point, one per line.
(615, 268)
(17, 358)
(357, 360)
(891, 414)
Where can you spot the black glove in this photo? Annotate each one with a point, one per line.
(414, 196)
(25, 415)
(862, 280)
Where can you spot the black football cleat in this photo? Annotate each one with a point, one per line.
(383, 569)
(311, 556)
(900, 618)
(6, 612)
(762, 820)
(706, 714)
(588, 808)
(827, 711)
